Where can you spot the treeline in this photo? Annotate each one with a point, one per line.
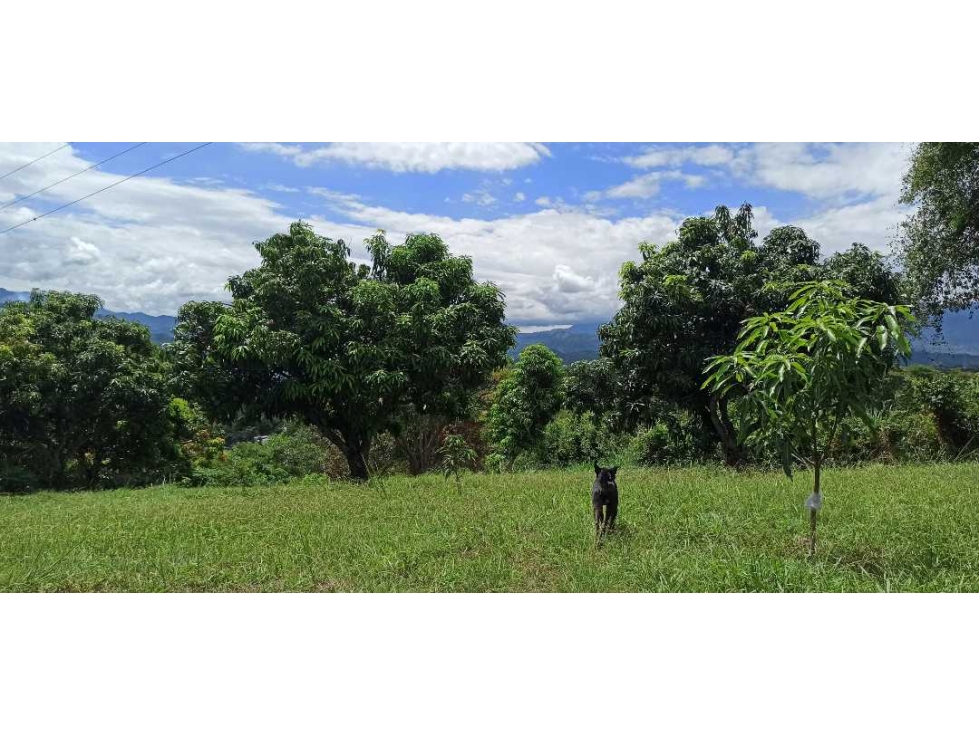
(342, 368)
(323, 365)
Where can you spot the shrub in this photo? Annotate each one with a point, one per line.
(456, 455)
(572, 439)
(294, 453)
(913, 436)
(385, 458)
(678, 441)
(17, 479)
(952, 398)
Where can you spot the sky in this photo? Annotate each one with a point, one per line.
(550, 223)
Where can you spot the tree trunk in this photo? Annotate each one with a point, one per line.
(724, 428)
(356, 451)
(357, 454)
(357, 464)
(813, 511)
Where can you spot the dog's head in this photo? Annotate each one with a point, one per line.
(606, 475)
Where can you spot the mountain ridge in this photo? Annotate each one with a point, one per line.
(160, 327)
(580, 341)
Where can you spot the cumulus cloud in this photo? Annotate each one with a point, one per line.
(568, 281)
(828, 170)
(480, 198)
(538, 258)
(149, 245)
(413, 157)
(816, 170)
(648, 185)
(671, 157)
(534, 328)
(80, 252)
(874, 223)
(519, 196)
(159, 243)
(153, 243)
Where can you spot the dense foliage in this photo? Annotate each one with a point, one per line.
(685, 303)
(939, 242)
(83, 401)
(526, 399)
(350, 347)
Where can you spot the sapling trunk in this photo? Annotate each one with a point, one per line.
(813, 511)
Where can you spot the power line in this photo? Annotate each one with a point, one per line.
(9, 173)
(104, 188)
(94, 165)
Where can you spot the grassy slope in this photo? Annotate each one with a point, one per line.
(896, 528)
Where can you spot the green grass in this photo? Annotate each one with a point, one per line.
(910, 528)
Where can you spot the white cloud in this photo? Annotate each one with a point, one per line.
(149, 245)
(538, 259)
(413, 157)
(648, 184)
(480, 198)
(79, 252)
(874, 223)
(161, 243)
(534, 328)
(568, 281)
(826, 171)
(287, 151)
(673, 157)
(152, 244)
(335, 197)
(823, 171)
(519, 196)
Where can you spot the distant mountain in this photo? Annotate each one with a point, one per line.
(6, 295)
(570, 344)
(161, 327)
(946, 360)
(959, 349)
(960, 332)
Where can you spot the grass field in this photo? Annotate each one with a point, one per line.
(911, 528)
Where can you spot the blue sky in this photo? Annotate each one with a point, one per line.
(549, 222)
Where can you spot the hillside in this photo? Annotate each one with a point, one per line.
(571, 344)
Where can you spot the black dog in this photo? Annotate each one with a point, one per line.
(604, 499)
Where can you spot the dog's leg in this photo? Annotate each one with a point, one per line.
(611, 512)
(599, 520)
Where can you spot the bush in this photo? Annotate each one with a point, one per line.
(891, 436)
(572, 439)
(952, 399)
(913, 436)
(294, 453)
(386, 458)
(680, 441)
(16, 479)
